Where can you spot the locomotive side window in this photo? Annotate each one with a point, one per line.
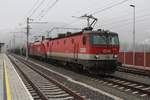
(84, 40)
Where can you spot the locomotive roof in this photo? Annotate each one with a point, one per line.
(83, 32)
(65, 35)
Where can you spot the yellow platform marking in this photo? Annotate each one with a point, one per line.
(8, 94)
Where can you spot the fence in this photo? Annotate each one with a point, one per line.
(141, 58)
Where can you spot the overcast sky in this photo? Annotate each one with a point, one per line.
(117, 19)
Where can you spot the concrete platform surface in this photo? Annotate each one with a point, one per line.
(1, 78)
(11, 85)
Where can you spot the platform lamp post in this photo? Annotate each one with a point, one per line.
(133, 6)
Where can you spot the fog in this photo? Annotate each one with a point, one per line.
(117, 19)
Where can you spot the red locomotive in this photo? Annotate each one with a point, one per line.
(94, 51)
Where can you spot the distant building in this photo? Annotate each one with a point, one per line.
(1, 45)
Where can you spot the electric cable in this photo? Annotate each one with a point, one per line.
(49, 8)
(39, 5)
(109, 7)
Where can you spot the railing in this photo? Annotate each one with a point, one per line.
(141, 59)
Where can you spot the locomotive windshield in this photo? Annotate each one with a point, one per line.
(99, 39)
(113, 40)
(105, 39)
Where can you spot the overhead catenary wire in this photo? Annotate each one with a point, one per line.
(127, 19)
(90, 6)
(49, 8)
(29, 13)
(37, 7)
(109, 7)
(104, 9)
(120, 21)
(125, 13)
(125, 23)
(34, 5)
(47, 5)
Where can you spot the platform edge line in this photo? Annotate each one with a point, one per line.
(8, 94)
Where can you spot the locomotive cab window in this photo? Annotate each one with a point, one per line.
(104, 39)
(98, 39)
(114, 40)
(84, 40)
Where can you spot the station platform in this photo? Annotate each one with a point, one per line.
(11, 85)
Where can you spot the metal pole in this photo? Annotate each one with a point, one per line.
(10, 45)
(124, 57)
(28, 30)
(27, 44)
(133, 6)
(134, 35)
(144, 54)
(14, 42)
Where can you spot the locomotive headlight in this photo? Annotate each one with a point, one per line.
(96, 56)
(115, 56)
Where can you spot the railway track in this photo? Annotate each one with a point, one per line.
(134, 71)
(35, 94)
(43, 87)
(135, 88)
(138, 89)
